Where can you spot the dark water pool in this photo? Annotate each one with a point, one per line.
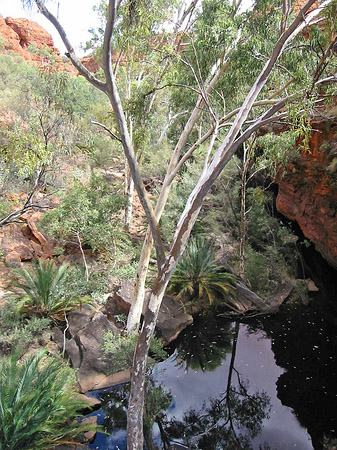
(265, 385)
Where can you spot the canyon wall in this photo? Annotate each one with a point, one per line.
(307, 192)
(19, 35)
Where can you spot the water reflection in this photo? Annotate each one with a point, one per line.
(201, 396)
(204, 344)
(304, 343)
(115, 406)
(229, 421)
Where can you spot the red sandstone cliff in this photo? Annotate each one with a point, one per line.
(308, 191)
(18, 34)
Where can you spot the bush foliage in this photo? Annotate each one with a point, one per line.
(38, 406)
(197, 275)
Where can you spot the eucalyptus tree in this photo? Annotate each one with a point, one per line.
(143, 50)
(222, 146)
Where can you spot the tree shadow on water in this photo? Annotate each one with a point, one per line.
(229, 421)
(204, 344)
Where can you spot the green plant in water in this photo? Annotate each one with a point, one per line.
(38, 405)
(198, 276)
(40, 285)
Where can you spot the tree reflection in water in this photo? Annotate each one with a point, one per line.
(115, 406)
(204, 344)
(229, 421)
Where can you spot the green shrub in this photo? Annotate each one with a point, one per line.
(101, 279)
(90, 213)
(40, 285)
(126, 271)
(120, 349)
(75, 285)
(198, 276)
(38, 407)
(264, 270)
(16, 330)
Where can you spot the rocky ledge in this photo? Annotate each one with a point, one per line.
(87, 325)
(307, 192)
(21, 35)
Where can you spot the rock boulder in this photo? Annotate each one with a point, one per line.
(24, 243)
(83, 346)
(171, 318)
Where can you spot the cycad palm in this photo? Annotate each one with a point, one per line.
(197, 274)
(40, 285)
(37, 405)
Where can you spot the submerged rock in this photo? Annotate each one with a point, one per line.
(89, 436)
(93, 402)
(93, 380)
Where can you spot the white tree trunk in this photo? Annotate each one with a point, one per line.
(137, 306)
(136, 401)
(129, 183)
(139, 295)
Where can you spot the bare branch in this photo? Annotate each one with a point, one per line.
(222, 123)
(77, 233)
(71, 52)
(189, 10)
(286, 7)
(112, 135)
(170, 120)
(113, 6)
(159, 88)
(327, 80)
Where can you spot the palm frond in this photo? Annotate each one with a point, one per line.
(197, 274)
(40, 286)
(37, 403)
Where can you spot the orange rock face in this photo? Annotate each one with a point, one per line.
(10, 39)
(18, 34)
(30, 32)
(90, 63)
(308, 191)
